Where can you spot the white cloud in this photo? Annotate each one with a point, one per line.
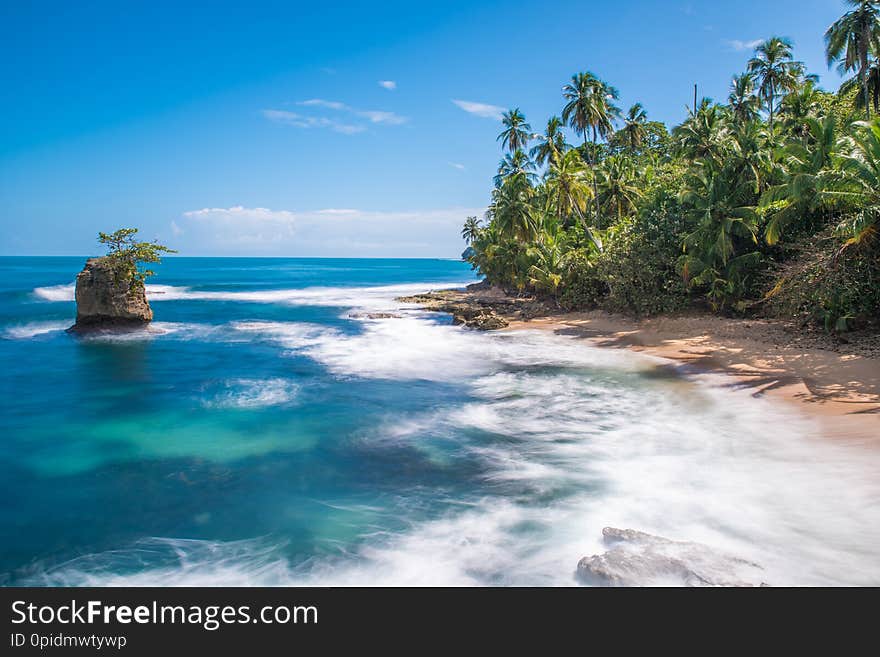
(319, 102)
(337, 211)
(303, 121)
(378, 116)
(175, 228)
(738, 45)
(480, 109)
(239, 212)
(390, 85)
(240, 230)
(309, 121)
(456, 165)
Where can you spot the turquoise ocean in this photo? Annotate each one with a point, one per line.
(264, 430)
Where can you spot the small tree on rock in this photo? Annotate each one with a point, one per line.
(127, 256)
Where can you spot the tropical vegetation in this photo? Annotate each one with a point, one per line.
(766, 204)
(127, 256)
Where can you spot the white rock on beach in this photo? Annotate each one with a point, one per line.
(640, 559)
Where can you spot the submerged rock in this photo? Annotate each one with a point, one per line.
(373, 316)
(640, 559)
(103, 301)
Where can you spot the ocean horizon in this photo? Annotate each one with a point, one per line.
(287, 421)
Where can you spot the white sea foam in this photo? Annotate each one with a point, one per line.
(372, 298)
(34, 329)
(56, 292)
(691, 463)
(254, 393)
(407, 347)
(291, 335)
(413, 348)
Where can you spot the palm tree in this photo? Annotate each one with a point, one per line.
(549, 257)
(748, 153)
(512, 210)
(704, 134)
(618, 187)
(634, 127)
(590, 106)
(471, 230)
(807, 177)
(568, 186)
(859, 186)
(872, 82)
(712, 256)
(516, 164)
(551, 144)
(797, 107)
(742, 100)
(851, 40)
(516, 131)
(567, 183)
(774, 70)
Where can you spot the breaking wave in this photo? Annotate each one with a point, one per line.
(373, 298)
(34, 329)
(56, 292)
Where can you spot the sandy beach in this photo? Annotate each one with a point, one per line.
(841, 389)
(836, 381)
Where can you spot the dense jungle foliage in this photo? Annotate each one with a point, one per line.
(765, 204)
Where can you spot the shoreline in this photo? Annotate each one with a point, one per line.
(834, 382)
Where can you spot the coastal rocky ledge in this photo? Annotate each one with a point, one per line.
(637, 558)
(479, 306)
(464, 310)
(104, 302)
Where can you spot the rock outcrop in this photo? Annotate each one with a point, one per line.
(484, 306)
(463, 308)
(103, 302)
(640, 559)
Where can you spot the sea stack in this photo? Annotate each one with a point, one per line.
(104, 300)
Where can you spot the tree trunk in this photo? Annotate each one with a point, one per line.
(595, 186)
(863, 73)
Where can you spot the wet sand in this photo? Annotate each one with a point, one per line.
(840, 387)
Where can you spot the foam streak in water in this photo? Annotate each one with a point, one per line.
(34, 329)
(376, 297)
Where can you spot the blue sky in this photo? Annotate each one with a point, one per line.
(322, 129)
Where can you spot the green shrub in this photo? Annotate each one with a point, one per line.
(638, 266)
(839, 291)
(583, 286)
